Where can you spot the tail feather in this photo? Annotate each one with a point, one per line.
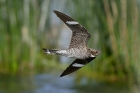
(50, 51)
(56, 52)
(46, 51)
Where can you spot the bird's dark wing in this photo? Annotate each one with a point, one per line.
(77, 64)
(80, 35)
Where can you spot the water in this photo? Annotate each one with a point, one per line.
(48, 83)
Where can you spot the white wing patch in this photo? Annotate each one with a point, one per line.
(77, 65)
(72, 22)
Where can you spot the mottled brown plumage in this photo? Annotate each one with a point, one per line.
(80, 35)
(78, 45)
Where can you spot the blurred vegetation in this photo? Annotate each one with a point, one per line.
(25, 29)
(22, 25)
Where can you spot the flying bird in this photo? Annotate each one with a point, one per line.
(78, 45)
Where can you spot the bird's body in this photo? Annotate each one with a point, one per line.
(79, 53)
(78, 46)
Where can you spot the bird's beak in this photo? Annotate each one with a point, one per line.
(98, 52)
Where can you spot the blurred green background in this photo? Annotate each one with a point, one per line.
(27, 26)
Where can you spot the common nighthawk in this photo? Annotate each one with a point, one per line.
(78, 46)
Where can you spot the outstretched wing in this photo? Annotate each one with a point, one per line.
(77, 64)
(80, 35)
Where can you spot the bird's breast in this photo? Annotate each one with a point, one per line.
(78, 53)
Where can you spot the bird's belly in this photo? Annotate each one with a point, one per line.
(78, 54)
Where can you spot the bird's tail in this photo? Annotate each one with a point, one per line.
(50, 51)
(55, 51)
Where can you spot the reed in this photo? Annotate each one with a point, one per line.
(22, 23)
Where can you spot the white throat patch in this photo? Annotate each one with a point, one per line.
(92, 56)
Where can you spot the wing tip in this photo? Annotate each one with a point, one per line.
(62, 75)
(55, 11)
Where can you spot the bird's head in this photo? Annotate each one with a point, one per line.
(94, 52)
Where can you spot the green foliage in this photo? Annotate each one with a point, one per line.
(20, 36)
